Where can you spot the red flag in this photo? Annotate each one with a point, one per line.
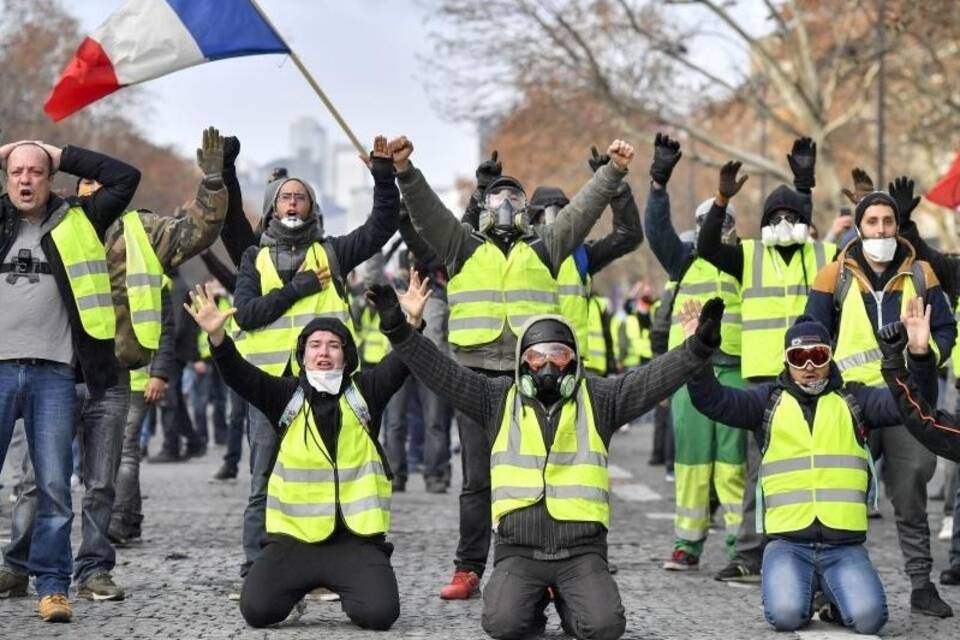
(947, 190)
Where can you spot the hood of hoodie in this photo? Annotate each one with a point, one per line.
(350, 358)
(523, 331)
(783, 198)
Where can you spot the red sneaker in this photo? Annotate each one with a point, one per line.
(465, 584)
(681, 561)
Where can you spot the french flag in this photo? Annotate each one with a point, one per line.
(146, 39)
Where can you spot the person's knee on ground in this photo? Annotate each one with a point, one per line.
(597, 623)
(866, 615)
(511, 622)
(376, 613)
(260, 612)
(786, 614)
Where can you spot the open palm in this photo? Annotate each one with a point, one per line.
(414, 299)
(208, 316)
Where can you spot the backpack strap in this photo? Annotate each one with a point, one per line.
(290, 411)
(844, 280)
(772, 404)
(919, 279)
(359, 405)
(861, 433)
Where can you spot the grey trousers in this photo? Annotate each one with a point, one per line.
(128, 508)
(587, 598)
(907, 468)
(264, 446)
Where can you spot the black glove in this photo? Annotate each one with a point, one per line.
(231, 149)
(666, 155)
(729, 185)
(384, 299)
(488, 171)
(597, 159)
(892, 339)
(382, 169)
(803, 160)
(711, 316)
(306, 283)
(901, 189)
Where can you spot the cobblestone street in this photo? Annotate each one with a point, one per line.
(178, 580)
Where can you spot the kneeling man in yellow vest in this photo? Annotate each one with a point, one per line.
(550, 427)
(812, 493)
(328, 495)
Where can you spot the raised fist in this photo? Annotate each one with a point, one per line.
(621, 153)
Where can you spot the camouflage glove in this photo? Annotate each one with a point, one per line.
(210, 154)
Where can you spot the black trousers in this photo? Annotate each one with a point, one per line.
(475, 525)
(174, 417)
(586, 597)
(356, 569)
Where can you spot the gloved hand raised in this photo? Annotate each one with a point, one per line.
(862, 185)
(901, 189)
(711, 316)
(666, 155)
(210, 154)
(384, 299)
(803, 161)
(892, 339)
(597, 159)
(231, 149)
(488, 171)
(729, 185)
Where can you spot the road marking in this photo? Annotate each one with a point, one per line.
(654, 515)
(618, 473)
(636, 492)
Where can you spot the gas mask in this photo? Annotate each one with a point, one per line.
(548, 371)
(503, 214)
(784, 231)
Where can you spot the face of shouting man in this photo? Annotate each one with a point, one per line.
(28, 179)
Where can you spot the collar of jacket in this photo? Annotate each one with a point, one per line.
(56, 209)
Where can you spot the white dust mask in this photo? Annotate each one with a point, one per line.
(880, 249)
(291, 223)
(784, 234)
(325, 381)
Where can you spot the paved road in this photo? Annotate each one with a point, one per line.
(177, 581)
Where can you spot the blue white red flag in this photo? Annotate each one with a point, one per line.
(146, 39)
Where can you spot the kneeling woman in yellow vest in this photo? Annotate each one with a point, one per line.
(550, 428)
(328, 497)
(812, 492)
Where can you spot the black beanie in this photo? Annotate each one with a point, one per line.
(783, 198)
(872, 198)
(806, 331)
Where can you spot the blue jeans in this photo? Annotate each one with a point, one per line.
(792, 572)
(236, 427)
(208, 389)
(43, 395)
(264, 446)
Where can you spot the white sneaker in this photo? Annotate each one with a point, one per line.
(946, 531)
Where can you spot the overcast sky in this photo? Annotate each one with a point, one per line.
(362, 53)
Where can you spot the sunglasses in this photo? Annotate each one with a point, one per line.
(818, 355)
(537, 356)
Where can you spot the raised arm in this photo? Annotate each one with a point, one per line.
(119, 182)
(710, 246)
(237, 234)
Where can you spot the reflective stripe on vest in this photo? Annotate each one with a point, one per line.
(701, 282)
(492, 289)
(596, 359)
(572, 478)
(774, 294)
(373, 344)
(574, 305)
(271, 347)
(144, 279)
(820, 475)
(306, 488)
(85, 262)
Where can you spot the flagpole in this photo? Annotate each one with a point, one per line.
(313, 83)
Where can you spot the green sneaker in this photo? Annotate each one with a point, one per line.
(100, 586)
(13, 584)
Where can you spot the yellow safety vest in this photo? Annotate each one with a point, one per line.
(627, 337)
(820, 475)
(144, 280)
(572, 477)
(307, 488)
(85, 261)
(492, 289)
(203, 343)
(955, 354)
(596, 349)
(703, 281)
(270, 348)
(373, 344)
(774, 294)
(574, 305)
(857, 354)
(139, 379)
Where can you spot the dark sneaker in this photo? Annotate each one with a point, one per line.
(399, 485)
(950, 577)
(927, 601)
(681, 560)
(13, 584)
(435, 485)
(123, 536)
(100, 586)
(465, 584)
(55, 608)
(737, 572)
(225, 472)
(165, 456)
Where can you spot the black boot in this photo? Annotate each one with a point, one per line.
(927, 601)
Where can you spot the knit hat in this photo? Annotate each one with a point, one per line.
(783, 198)
(806, 331)
(872, 198)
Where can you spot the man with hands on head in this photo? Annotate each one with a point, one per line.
(500, 275)
(328, 495)
(294, 275)
(547, 428)
(57, 328)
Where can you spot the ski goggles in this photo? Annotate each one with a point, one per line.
(818, 355)
(516, 197)
(537, 356)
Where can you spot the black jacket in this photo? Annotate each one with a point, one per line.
(937, 430)
(255, 310)
(96, 358)
(746, 408)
